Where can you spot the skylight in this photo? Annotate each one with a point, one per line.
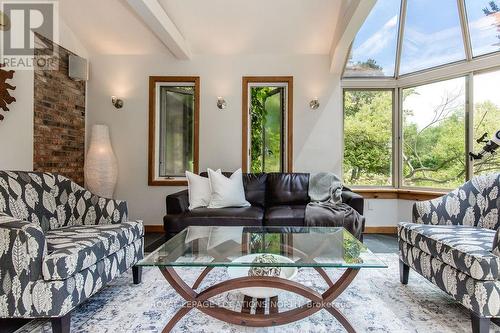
(373, 52)
(434, 33)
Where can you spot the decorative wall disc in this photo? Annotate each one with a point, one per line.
(5, 96)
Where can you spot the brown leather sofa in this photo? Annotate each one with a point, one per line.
(277, 199)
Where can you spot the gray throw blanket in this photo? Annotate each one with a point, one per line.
(326, 208)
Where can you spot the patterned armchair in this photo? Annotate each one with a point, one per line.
(454, 243)
(59, 245)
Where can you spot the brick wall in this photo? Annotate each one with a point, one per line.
(59, 117)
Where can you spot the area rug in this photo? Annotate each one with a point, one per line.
(375, 302)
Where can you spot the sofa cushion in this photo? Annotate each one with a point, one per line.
(255, 188)
(465, 248)
(287, 189)
(254, 185)
(285, 215)
(233, 216)
(75, 248)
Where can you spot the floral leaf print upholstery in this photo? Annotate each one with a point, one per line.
(466, 249)
(28, 196)
(482, 297)
(474, 204)
(59, 244)
(454, 243)
(77, 206)
(75, 248)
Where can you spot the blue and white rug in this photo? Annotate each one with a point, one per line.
(375, 302)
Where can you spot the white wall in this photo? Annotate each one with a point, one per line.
(317, 134)
(16, 131)
(387, 212)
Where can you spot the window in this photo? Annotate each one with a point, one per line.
(432, 35)
(173, 129)
(373, 52)
(484, 25)
(446, 80)
(267, 117)
(368, 137)
(434, 134)
(486, 118)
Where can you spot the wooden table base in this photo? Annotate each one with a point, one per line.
(316, 302)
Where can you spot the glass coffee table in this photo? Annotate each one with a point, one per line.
(261, 261)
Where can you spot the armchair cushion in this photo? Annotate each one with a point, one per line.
(465, 248)
(75, 248)
(481, 297)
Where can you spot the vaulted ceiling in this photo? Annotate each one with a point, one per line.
(211, 26)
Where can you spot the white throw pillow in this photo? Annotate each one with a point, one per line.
(199, 190)
(227, 192)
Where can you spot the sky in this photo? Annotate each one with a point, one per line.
(432, 34)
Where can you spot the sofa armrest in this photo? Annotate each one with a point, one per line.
(22, 249)
(177, 203)
(354, 200)
(99, 210)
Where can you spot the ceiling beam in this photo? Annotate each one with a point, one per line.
(352, 15)
(154, 16)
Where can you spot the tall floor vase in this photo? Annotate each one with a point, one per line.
(101, 167)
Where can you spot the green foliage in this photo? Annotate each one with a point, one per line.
(368, 137)
(433, 156)
(265, 118)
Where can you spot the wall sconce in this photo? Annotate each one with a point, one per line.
(314, 103)
(117, 102)
(221, 103)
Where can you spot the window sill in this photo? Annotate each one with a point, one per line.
(168, 182)
(395, 193)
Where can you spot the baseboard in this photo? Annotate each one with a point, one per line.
(381, 230)
(154, 228)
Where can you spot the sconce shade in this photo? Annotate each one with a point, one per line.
(221, 103)
(101, 167)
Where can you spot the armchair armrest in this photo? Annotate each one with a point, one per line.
(354, 200)
(22, 248)
(177, 203)
(440, 211)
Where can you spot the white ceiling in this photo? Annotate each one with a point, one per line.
(209, 26)
(255, 26)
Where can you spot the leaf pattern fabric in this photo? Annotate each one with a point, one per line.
(482, 297)
(467, 249)
(72, 249)
(475, 203)
(59, 244)
(454, 242)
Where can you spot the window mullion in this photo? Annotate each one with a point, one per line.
(464, 24)
(469, 125)
(399, 46)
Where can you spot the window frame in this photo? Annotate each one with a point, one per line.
(247, 83)
(153, 145)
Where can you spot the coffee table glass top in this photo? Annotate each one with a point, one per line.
(201, 246)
